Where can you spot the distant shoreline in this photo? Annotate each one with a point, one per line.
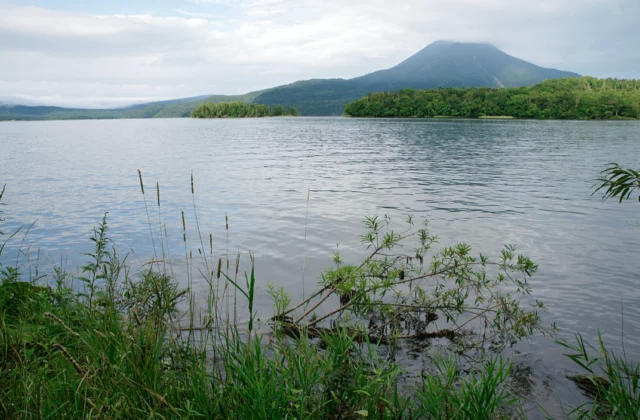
(486, 118)
(411, 118)
(585, 98)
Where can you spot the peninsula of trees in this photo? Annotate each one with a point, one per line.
(241, 110)
(577, 98)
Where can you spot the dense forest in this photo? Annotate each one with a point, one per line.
(569, 98)
(241, 110)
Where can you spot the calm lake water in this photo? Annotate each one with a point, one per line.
(487, 183)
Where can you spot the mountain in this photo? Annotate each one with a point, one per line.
(440, 64)
(457, 64)
(174, 108)
(168, 102)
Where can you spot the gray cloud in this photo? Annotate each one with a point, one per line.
(78, 59)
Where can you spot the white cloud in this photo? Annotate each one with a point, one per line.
(223, 2)
(79, 59)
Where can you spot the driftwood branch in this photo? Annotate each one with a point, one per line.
(295, 331)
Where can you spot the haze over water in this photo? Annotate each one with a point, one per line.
(487, 183)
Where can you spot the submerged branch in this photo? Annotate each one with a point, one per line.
(295, 331)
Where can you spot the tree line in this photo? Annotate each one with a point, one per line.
(570, 98)
(241, 110)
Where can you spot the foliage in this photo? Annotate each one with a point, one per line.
(571, 98)
(119, 346)
(240, 110)
(8, 271)
(617, 393)
(393, 295)
(249, 293)
(121, 351)
(114, 348)
(483, 395)
(124, 356)
(617, 182)
(97, 268)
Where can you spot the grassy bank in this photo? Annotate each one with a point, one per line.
(122, 342)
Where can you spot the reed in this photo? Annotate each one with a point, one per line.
(612, 381)
(304, 258)
(146, 208)
(4, 187)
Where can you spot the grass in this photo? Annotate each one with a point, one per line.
(123, 357)
(612, 381)
(108, 366)
(111, 344)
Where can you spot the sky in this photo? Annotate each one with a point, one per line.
(99, 54)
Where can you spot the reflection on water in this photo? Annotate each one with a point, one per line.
(487, 183)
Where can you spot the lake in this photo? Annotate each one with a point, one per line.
(487, 183)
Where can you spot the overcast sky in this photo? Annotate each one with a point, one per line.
(104, 53)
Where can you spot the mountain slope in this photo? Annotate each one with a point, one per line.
(457, 64)
(441, 64)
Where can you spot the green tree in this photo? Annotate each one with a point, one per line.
(239, 110)
(277, 111)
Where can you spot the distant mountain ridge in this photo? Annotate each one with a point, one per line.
(167, 102)
(440, 64)
(175, 108)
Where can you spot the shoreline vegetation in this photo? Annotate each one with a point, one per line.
(241, 110)
(109, 343)
(583, 98)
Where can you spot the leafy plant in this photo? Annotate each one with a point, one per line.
(395, 295)
(612, 381)
(249, 293)
(97, 267)
(617, 182)
(484, 395)
(6, 272)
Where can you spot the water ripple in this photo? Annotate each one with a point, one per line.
(484, 182)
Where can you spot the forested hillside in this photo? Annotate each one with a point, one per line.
(440, 64)
(570, 98)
